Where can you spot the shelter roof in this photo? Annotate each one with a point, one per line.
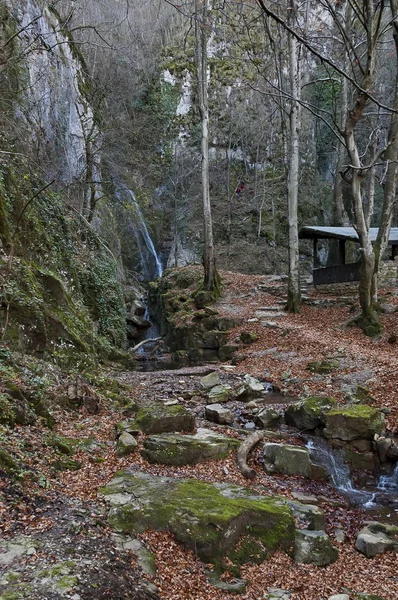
(344, 233)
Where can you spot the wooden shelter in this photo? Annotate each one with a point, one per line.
(341, 272)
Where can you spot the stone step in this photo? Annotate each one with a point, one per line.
(269, 308)
(263, 314)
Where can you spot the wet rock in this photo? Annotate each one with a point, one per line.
(286, 459)
(349, 423)
(208, 518)
(126, 444)
(158, 418)
(314, 547)
(377, 538)
(177, 450)
(211, 380)
(308, 414)
(268, 417)
(219, 414)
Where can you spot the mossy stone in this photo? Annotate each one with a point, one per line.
(353, 422)
(177, 450)
(323, 367)
(308, 414)
(66, 464)
(158, 418)
(208, 518)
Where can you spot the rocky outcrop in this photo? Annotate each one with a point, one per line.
(208, 518)
(177, 450)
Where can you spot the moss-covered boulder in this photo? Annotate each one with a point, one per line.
(176, 449)
(220, 393)
(126, 444)
(353, 423)
(308, 414)
(212, 519)
(158, 418)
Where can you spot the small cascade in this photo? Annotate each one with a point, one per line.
(389, 483)
(337, 469)
(150, 261)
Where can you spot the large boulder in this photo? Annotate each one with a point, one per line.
(286, 459)
(215, 520)
(314, 547)
(377, 538)
(177, 450)
(349, 423)
(268, 417)
(308, 414)
(158, 418)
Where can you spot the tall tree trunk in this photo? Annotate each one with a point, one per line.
(391, 156)
(211, 279)
(293, 292)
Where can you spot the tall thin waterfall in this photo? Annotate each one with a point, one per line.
(149, 258)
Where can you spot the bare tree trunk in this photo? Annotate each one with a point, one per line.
(391, 156)
(211, 279)
(341, 217)
(293, 292)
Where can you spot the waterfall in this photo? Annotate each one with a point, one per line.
(149, 258)
(389, 483)
(338, 471)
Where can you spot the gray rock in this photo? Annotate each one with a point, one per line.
(310, 516)
(314, 547)
(268, 417)
(211, 380)
(286, 459)
(145, 558)
(10, 550)
(219, 414)
(254, 384)
(126, 444)
(208, 518)
(157, 418)
(377, 538)
(277, 594)
(177, 450)
(220, 393)
(339, 597)
(308, 414)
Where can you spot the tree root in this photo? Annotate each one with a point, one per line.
(243, 452)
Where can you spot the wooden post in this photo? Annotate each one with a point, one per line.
(342, 252)
(316, 261)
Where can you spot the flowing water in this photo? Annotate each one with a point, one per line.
(385, 493)
(150, 263)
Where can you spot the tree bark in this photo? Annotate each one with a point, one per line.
(243, 452)
(293, 292)
(211, 279)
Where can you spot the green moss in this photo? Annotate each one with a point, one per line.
(361, 410)
(317, 404)
(208, 518)
(7, 462)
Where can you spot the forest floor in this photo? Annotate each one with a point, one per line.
(64, 520)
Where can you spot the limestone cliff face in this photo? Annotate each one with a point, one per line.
(52, 107)
(60, 277)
